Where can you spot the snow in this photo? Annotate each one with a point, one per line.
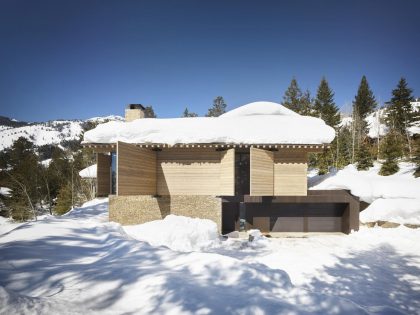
(376, 122)
(5, 191)
(176, 232)
(88, 172)
(80, 263)
(255, 123)
(369, 186)
(48, 133)
(260, 108)
(399, 210)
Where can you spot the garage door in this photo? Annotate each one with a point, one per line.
(304, 217)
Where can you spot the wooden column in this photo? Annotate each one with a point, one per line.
(227, 172)
(262, 172)
(136, 170)
(103, 176)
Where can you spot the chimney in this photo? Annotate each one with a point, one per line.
(133, 112)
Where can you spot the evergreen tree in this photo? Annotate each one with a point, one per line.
(22, 175)
(416, 159)
(218, 108)
(292, 98)
(391, 150)
(306, 104)
(364, 158)
(400, 114)
(324, 106)
(149, 112)
(364, 103)
(188, 113)
(344, 138)
(64, 200)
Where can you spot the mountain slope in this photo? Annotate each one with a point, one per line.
(54, 132)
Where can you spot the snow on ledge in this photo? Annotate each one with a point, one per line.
(88, 172)
(255, 123)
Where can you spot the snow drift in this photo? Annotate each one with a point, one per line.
(178, 233)
(254, 123)
(369, 186)
(402, 211)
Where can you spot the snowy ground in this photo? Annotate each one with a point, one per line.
(80, 263)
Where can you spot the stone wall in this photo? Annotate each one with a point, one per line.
(140, 209)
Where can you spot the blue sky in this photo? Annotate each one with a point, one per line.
(79, 59)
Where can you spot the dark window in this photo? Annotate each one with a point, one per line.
(113, 173)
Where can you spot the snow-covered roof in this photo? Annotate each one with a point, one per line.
(254, 123)
(88, 172)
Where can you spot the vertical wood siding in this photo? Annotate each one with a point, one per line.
(227, 172)
(290, 173)
(136, 168)
(262, 181)
(103, 177)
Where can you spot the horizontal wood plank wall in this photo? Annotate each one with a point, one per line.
(136, 169)
(290, 173)
(190, 171)
(261, 181)
(103, 178)
(227, 172)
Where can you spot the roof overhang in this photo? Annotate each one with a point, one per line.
(109, 147)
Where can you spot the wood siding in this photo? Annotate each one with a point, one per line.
(192, 171)
(290, 173)
(227, 172)
(136, 170)
(261, 178)
(103, 178)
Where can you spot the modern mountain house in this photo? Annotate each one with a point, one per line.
(245, 169)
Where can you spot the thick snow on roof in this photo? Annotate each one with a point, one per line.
(255, 123)
(88, 172)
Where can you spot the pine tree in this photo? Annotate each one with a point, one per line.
(345, 147)
(306, 104)
(391, 150)
(218, 108)
(364, 103)
(416, 158)
(149, 112)
(364, 158)
(400, 113)
(324, 106)
(293, 96)
(23, 179)
(187, 113)
(64, 200)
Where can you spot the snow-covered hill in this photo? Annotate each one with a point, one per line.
(47, 133)
(376, 122)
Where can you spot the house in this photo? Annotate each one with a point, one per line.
(245, 169)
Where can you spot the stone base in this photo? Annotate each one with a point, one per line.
(128, 210)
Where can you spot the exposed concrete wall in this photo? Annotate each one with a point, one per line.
(140, 209)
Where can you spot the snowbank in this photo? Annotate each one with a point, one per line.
(369, 186)
(5, 191)
(178, 233)
(402, 211)
(13, 303)
(255, 123)
(88, 172)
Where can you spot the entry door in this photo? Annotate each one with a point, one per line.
(262, 172)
